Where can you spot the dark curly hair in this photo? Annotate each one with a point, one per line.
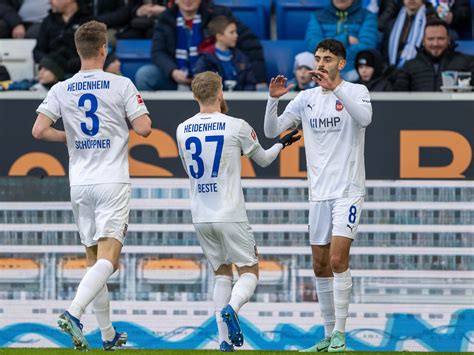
(333, 46)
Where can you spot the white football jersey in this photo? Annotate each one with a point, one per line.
(210, 146)
(94, 106)
(334, 141)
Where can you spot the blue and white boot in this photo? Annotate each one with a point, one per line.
(71, 325)
(118, 341)
(229, 316)
(226, 347)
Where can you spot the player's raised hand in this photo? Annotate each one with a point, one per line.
(289, 139)
(323, 79)
(278, 86)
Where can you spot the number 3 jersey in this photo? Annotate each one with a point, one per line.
(94, 106)
(210, 146)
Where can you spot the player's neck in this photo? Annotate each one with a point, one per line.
(210, 108)
(91, 64)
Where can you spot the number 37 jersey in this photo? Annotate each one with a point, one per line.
(94, 107)
(210, 146)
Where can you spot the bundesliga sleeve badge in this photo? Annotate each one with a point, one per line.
(139, 99)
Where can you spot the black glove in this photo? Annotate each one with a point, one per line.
(289, 138)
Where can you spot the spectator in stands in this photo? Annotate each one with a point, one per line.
(22, 18)
(142, 18)
(51, 70)
(112, 64)
(304, 62)
(349, 23)
(437, 55)
(114, 13)
(179, 39)
(56, 35)
(456, 14)
(404, 33)
(370, 67)
(230, 63)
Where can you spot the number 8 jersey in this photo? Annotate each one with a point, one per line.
(210, 146)
(94, 106)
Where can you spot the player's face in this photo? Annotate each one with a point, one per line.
(436, 40)
(230, 36)
(328, 62)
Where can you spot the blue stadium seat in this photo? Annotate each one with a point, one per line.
(133, 53)
(253, 13)
(280, 56)
(292, 16)
(466, 47)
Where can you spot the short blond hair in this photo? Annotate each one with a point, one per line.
(89, 38)
(206, 86)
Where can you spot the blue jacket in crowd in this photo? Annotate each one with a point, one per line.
(245, 76)
(333, 23)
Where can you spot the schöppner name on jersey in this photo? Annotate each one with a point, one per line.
(92, 144)
(89, 85)
(204, 127)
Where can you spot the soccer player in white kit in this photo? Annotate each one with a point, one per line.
(210, 145)
(334, 117)
(94, 107)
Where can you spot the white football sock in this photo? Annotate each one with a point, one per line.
(243, 290)
(324, 289)
(101, 307)
(342, 295)
(221, 297)
(90, 285)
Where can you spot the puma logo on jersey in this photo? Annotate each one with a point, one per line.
(348, 226)
(310, 106)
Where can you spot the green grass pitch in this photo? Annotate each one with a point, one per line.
(60, 351)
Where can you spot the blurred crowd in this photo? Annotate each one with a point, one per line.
(392, 45)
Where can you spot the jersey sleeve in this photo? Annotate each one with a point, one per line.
(248, 139)
(50, 105)
(296, 107)
(134, 104)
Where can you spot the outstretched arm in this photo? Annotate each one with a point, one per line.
(273, 124)
(265, 157)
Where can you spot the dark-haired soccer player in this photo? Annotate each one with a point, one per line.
(334, 117)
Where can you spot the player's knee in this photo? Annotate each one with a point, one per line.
(338, 263)
(321, 269)
(224, 270)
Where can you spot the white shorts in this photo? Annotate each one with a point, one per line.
(101, 211)
(227, 243)
(334, 217)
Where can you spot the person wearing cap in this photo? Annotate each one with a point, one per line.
(51, 70)
(370, 67)
(304, 62)
(348, 22)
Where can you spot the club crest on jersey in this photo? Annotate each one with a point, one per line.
(139, 99)
(339, 106)
(254, 135)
